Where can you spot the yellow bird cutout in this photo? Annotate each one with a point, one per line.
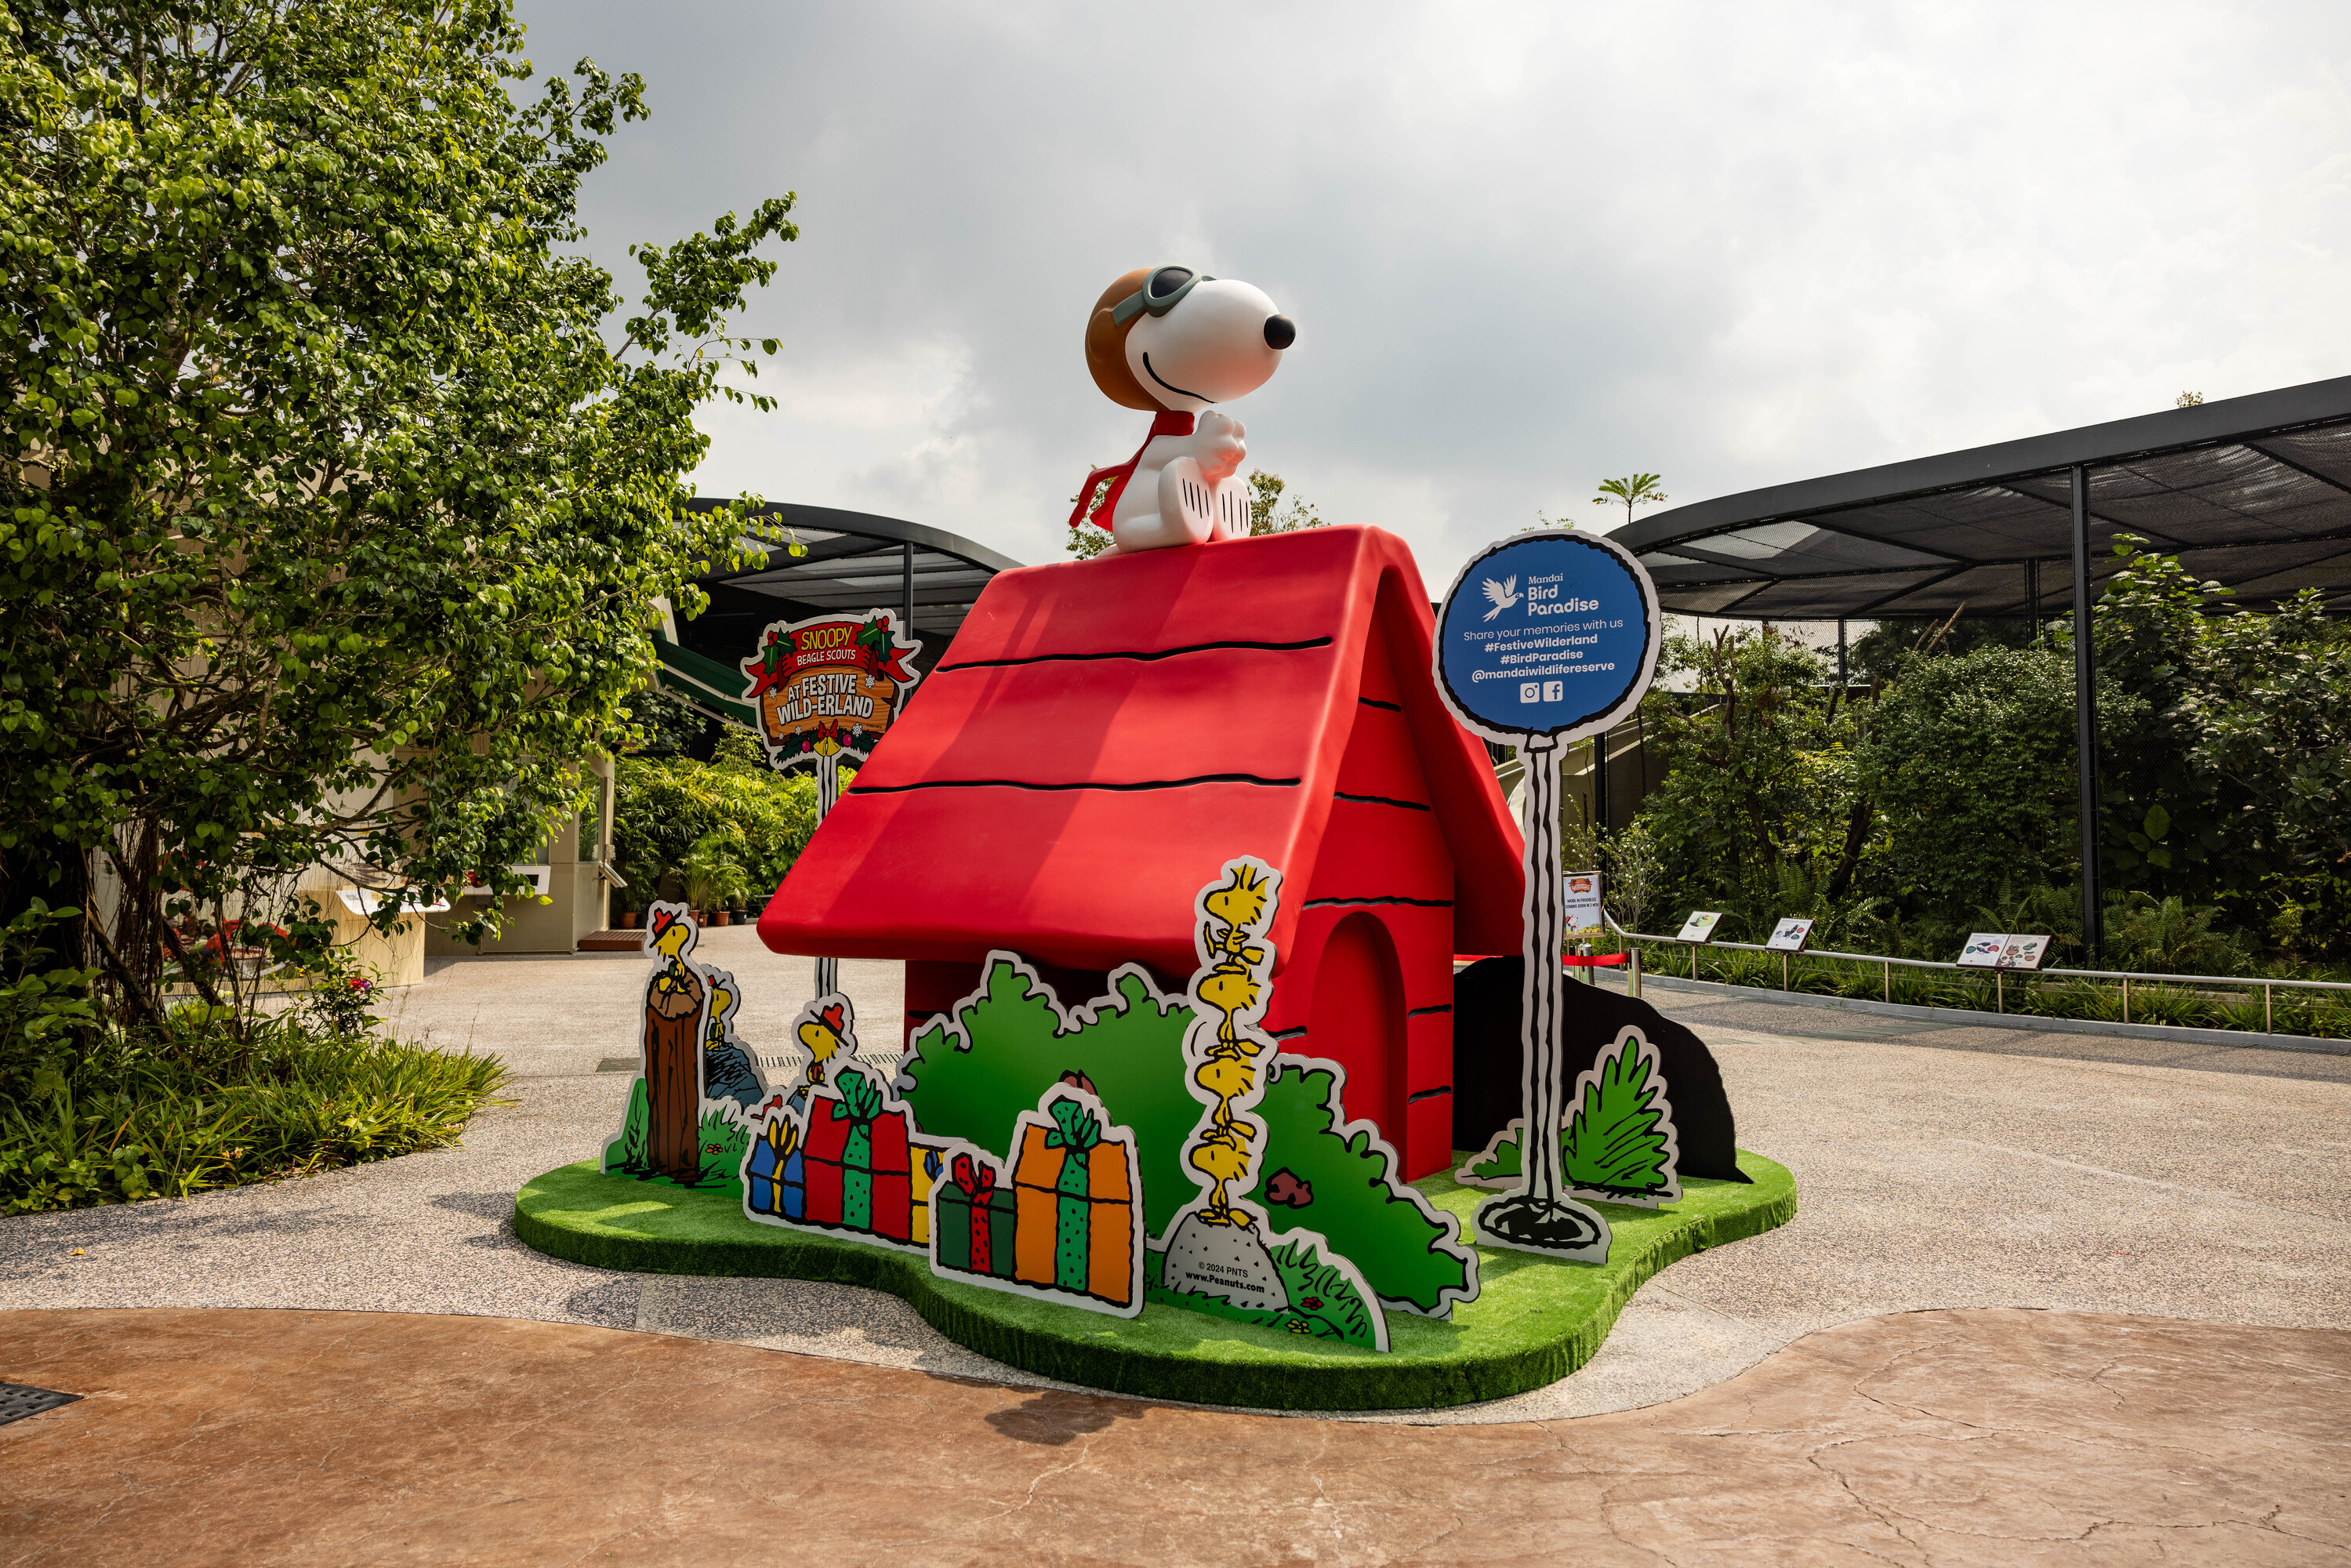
(671, 936)
(1222, 1157)
(721, 999)
(1227, 1070)
(821, 1034)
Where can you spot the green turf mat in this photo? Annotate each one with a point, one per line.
(1534, 1321)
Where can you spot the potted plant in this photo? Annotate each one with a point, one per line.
(712, 878)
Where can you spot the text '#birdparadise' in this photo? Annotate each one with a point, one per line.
(1551, 653)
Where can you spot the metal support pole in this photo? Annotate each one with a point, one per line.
(1842, 680)
(1599, 785)
(906, 591)
(1889, 979)
(2269, 1025)
(828, 793)
(1636, 973)
(2086, 722)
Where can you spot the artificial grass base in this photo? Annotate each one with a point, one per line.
(1534, 1321)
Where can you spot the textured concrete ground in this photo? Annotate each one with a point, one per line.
(1937, 1168)
(1953, 1439)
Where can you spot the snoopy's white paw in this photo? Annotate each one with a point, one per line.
(1219, 441)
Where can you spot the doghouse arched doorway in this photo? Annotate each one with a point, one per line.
(1356, 1020)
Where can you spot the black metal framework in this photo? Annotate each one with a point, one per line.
(850, 561)
(2085, 726)
(2253, 492)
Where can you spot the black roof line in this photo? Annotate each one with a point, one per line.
(2167, 430)
(833, 520)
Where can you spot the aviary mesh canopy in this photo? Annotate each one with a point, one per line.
(854, 563)
(2253, 492)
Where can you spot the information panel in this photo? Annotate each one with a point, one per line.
(1547, 633)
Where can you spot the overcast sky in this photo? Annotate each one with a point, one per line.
(1527, 248)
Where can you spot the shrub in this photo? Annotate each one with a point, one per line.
(191, 1105)
(664, 807)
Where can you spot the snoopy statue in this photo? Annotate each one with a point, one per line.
(1175, 342)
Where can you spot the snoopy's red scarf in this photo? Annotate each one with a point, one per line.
(1165, 423)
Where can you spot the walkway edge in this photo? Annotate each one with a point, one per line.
(1536, 1321)
(1966, 1018)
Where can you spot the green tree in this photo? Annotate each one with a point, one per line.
(663, 808)
(2234, 788)
(1633, 490)
(1969, 761)
(1761, 775)
(340, 498)
(1265, 514)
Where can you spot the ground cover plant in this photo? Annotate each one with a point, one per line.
(2324, 1015)
(94, 1111)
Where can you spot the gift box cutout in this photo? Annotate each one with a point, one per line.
(846, 1165)
(1064, 1224)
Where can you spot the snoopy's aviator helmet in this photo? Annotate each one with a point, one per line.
(1177, 338)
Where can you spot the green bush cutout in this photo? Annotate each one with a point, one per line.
(1012, 1042)
(1619, 1143)
(1015, 1043)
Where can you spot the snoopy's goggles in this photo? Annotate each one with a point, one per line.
(1159, 293)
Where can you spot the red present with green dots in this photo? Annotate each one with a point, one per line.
(976, 1219)
(856, 1166)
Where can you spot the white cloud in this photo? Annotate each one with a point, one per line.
(1527, 246)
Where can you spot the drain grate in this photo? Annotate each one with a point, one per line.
(619, 1064)
(16, 1401)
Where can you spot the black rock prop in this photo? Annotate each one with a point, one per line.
(1489, 1067)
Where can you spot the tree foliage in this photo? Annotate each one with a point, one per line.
(674, 817)
(1943, 797)
(339, 500)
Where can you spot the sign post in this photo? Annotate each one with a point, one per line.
(1545, 638)
(825, 689)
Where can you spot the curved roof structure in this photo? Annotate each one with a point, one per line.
(2254, 492)
(849, 561)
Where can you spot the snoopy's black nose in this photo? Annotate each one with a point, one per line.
(1281, 332)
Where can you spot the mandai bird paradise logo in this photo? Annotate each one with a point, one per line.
(1500, 595)
(831, 686)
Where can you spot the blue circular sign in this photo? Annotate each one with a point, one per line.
(1551, 634)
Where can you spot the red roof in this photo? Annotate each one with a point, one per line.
(1102, 735)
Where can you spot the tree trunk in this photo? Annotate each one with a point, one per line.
(672, 1075)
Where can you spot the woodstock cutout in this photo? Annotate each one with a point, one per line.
(1174, 341)
(686, 1121)
(1220, 1253)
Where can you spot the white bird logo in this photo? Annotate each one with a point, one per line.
(1502, 595)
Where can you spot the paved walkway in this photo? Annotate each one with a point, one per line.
(2174, 1210)
(1953, 1439)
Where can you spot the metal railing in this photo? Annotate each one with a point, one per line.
(2269, 988)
